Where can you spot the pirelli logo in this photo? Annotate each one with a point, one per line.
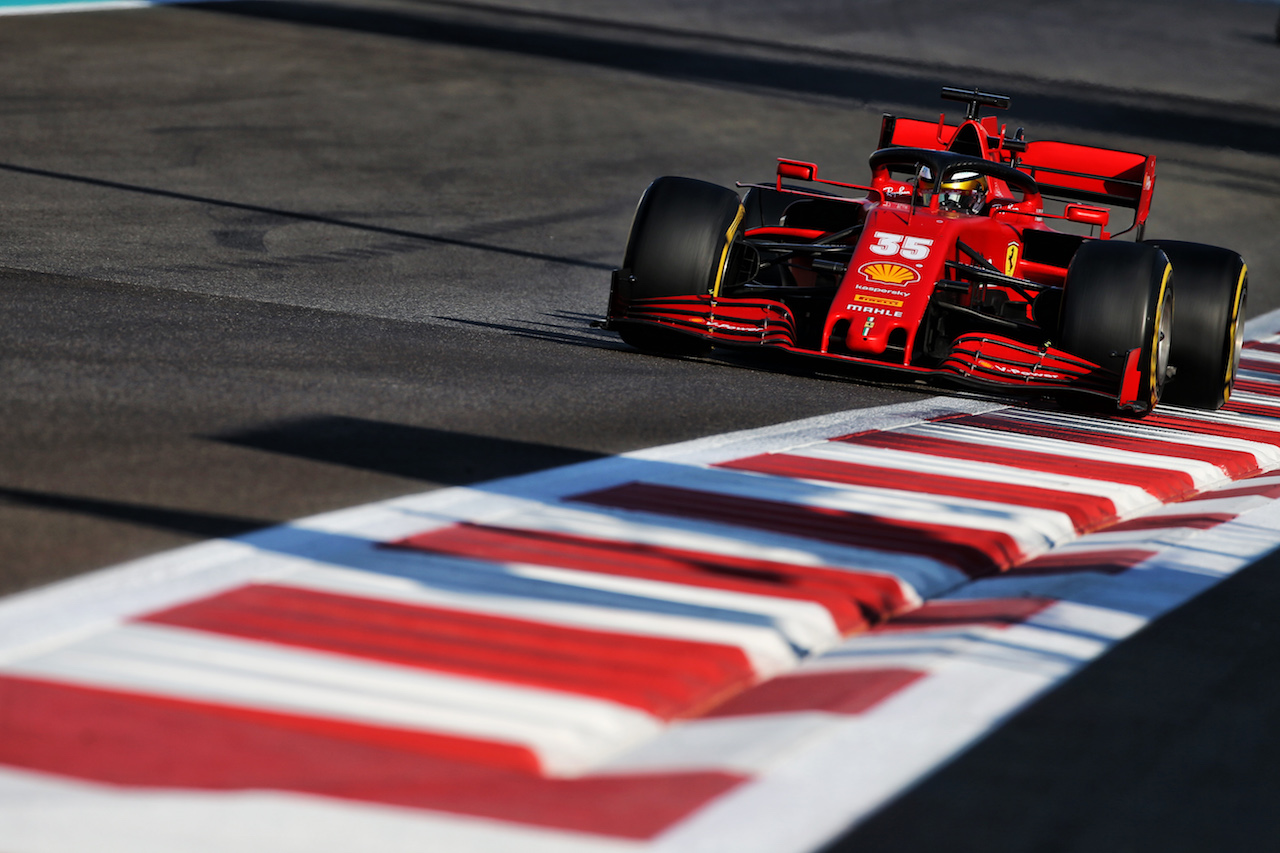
(877, 300)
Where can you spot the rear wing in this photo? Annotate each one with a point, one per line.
(1094, 175)
(914, 133)
(1063, 170)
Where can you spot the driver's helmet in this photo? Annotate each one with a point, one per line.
(963, 191)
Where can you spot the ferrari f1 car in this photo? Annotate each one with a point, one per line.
(971, 254)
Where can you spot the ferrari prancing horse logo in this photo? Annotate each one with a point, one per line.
(1011, 259)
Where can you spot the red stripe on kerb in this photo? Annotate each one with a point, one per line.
(1107, 562)
(1235, 463)
(1087, 512)
(154, 742)
(1240, 407)
(1165, 485)
(1257, 386)
(848, 692)
(1217, 428)
(1195, 521)
(974, 552)
(107, 714)
(1261, 346)
(968, 613)
(854, 599)
(1266, 490)
(665, 677)
(1259, 365)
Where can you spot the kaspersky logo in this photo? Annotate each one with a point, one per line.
(883, 272)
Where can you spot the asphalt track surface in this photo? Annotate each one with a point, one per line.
(266, 259)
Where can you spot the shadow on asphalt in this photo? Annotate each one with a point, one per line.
(201, 524)
(432, 455)
(575, 330)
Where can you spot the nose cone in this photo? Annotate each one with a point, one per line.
(869, 333)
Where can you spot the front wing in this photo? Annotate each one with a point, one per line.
(981, 358)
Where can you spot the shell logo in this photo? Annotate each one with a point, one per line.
(887, 273)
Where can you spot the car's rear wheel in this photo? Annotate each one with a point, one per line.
(1208, 330)
(680, 245)
(1118, 298)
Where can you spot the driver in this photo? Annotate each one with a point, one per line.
(965, 192)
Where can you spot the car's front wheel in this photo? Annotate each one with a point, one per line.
(680, 245)
(1118, 298)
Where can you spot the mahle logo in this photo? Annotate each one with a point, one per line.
(884, 272)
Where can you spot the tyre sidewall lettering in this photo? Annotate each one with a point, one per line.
(1155, 379)
(724, 252)
(1234, 334)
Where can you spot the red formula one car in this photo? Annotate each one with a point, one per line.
(971, 255)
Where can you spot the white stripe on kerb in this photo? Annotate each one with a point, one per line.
(1203, 474)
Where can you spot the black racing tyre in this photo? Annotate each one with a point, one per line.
(1208, 329)
(1118, 297)
(680, 245)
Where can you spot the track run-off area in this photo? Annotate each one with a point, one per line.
(750, 642)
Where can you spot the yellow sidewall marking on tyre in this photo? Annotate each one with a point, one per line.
(724, 253)
(1233, 334)
(1155, 337)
